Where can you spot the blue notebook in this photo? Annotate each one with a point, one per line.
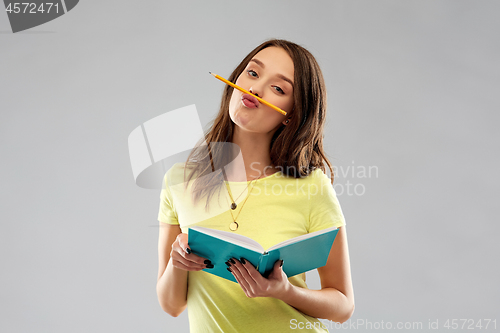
(300, 254)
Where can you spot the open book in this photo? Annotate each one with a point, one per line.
(300, 254)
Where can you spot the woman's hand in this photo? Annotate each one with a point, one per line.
(182, 257)
(254, 284)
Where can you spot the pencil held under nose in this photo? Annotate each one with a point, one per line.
(249, 93)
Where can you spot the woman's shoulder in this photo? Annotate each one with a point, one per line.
(319, 178)
(175, 174)
(320, 174)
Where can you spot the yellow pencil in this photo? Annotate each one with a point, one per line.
(247, 92)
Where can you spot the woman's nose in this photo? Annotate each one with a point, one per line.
(254, 91)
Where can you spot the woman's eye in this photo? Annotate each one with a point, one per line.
(251, 72)
(279, 90)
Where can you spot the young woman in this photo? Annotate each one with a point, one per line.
(277, 192)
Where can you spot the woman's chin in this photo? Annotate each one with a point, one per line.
(244, 123)
(242, 117)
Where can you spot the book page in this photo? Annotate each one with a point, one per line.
(300, 238)
(232, 238)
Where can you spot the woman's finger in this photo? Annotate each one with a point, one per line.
(239, 277)
(182, 240)
(196, 259)
(187, 262)
(180, 265)
(241, 283)
(191, 259)
(188, 255)
(250, 271)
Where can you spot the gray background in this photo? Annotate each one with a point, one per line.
(413, 90)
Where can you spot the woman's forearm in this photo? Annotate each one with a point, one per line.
(327, 303)
(171, 289)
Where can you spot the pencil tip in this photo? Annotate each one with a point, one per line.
(210, 72)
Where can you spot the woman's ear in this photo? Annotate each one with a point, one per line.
(286, 122)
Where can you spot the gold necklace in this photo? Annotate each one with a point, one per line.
(233, 226)
(233, 201)
(233, 204)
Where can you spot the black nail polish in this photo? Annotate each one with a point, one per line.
(281, 262)
(207, 262)
(210, 266)
(228, 263)
(188, 250)
(232, 261)
(229, 269)
(243, 261)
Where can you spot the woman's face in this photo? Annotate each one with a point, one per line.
(268, 75)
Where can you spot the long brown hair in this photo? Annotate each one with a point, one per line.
(296, 149)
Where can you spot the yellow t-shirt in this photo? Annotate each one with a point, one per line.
(278, 208)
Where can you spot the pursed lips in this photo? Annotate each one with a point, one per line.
(250, 99)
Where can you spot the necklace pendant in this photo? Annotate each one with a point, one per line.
(233, 226)
(233, 206)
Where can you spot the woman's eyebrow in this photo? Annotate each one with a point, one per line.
(261, 64)
(258, 62)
